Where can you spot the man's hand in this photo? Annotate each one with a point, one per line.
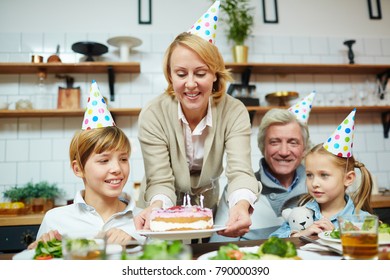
(239, 220)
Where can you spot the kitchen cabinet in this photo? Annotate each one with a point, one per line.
(17, 232)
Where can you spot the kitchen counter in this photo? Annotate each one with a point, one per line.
(380, 201)
(17, 220)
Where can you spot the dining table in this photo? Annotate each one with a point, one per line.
(199, 249)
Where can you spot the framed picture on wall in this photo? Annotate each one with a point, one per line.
(374, 9)
(144, 11)
(270, 11)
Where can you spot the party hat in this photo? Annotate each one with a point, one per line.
(302, 109)
(206, 25)
(340, 143)
(96, 114)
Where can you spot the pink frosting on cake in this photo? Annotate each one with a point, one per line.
(186, 211)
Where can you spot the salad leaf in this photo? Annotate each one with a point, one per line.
(368, 224)
(162, 250)
(384, 228)
(51, 248)
(335, 234)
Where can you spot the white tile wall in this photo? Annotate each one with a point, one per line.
(37, 148)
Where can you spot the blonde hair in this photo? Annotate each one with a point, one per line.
(211, 56)
(362, 196)
(86, 142)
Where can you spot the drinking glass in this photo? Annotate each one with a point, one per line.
(359, 237)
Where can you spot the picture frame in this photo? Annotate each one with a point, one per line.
(270, 11)
(144, 11)
(374, 9)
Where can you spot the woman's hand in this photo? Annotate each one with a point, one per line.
(53, 234)
(239, 220)
(142, 221)
(118, 236)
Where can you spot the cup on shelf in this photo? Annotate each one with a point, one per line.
(36, 58)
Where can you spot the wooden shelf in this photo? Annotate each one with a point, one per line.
(136, 111)
(134, 67)
(63, 113)
(284, 69)
(59, 68)
(327, 110)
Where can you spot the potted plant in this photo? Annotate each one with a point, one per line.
(14, 194)
(40, 196)
(239, 24)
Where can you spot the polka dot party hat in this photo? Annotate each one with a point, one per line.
(340, 143)
(96, 114)
(302, 109)
(206, 25)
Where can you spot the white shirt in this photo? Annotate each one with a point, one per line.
(81, 220)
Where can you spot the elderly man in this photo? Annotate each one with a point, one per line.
(283, 139)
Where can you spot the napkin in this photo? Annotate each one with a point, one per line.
(315, 247)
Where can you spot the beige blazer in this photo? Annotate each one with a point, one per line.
(166, 169)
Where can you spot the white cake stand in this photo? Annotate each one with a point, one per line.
(124, 43)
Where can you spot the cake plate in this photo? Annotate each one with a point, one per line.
(125, 44)
(89, 49)
(181, 234)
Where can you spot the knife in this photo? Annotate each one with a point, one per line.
(309, 240)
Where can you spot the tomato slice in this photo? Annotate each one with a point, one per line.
(43, 257)
(235, 254)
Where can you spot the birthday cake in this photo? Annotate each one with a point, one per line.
(181, 218)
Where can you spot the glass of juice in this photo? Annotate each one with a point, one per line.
(82, 248)
(359, 236)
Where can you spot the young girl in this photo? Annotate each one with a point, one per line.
(99, 155)
(330, 170)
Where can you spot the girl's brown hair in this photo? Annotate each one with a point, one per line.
(362, 196)
(97, 140)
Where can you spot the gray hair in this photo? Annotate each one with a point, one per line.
(280, 116)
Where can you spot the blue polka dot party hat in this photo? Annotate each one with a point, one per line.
(96, 114)
(302, 109)
(340, 143)
(206, 25)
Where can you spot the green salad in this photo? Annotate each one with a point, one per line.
(273, 248)
(48, 250)
(163, 250)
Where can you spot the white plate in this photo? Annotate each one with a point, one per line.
(27, 255)
(111, 249)
(325, 235)
(305, 255)
(181, 234)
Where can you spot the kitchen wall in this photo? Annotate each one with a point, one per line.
(308, 32)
